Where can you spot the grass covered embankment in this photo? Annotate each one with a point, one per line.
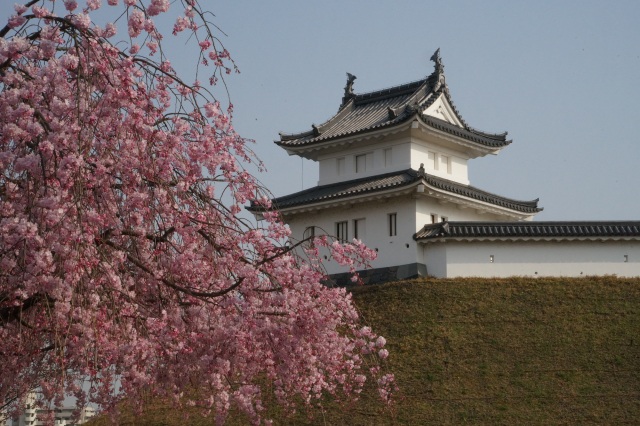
(511, 351)
(494, 351)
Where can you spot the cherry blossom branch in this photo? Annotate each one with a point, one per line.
(123, 258)
(171, 283)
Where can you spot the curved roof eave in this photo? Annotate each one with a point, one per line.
(340, 139)
(366, 112)
(473, 140)
(397, 182)
(483, 141)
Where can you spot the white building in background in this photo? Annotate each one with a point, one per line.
(394, 173)
(34, 416)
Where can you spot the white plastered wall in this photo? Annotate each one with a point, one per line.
(395, 250)
(532, 258)
(452, 212)
(433, 156)
(376, 165)
(442, 109)
(405, 154)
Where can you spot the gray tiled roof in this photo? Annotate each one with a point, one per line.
(365, 112)
(399, 179)
(566, 229)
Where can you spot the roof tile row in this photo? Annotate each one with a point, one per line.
(373, 184)
(556, 229)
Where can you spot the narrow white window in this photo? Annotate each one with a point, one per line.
(364, 162)
(434, 218)
(309, 234)
(445, 164)
(340, 166)
(433, 160)
(342, 229)
(393, 224)
(388, 159)
(359, 228)
(369, 161)
(361, 163)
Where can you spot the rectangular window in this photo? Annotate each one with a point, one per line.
(434, 218)
(388, 159)
(445, 164)
(433, 160)
(393, 226)
(364, 162)
(359, 228)
(340, 166)
(361, 163)
(342, 229)
(309, 234)
(443, 219)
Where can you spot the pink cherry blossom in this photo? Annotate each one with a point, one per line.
(16, 21)
(70, 5)
(109, 30)
(136, 23)
(157, 6)
(94, 4)
(40, 12)
(20, 8)
(125, 266)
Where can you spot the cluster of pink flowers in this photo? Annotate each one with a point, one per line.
(120, 265)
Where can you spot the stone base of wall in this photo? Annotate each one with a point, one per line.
(380, 275)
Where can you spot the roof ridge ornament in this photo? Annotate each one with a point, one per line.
(411, 108)
(438, 73)
(348, 88)
(437, 60)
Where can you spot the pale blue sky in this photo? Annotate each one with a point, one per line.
(560, 76)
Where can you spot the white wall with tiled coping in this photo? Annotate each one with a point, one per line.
(531, 258)
(411, 215)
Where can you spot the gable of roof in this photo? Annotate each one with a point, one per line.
(549, 230)
(386, 108)
(392, 181)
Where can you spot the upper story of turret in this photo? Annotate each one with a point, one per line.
(398, 128)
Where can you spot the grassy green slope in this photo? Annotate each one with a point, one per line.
(495, 351)
(511, 351)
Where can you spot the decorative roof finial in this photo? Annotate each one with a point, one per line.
(438, 61)
(439, 71)
(348, 89)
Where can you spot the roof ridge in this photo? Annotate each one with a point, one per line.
(531, 229)
(545, 222)
(389, 92)
(316, 130)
